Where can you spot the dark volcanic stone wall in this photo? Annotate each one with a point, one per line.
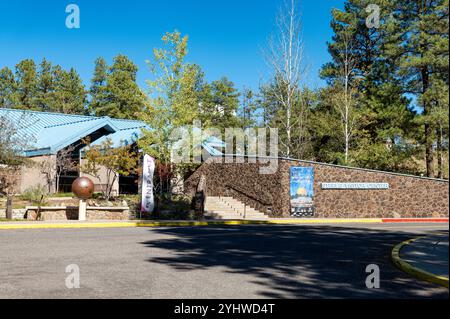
(408, 196)
(243, 181)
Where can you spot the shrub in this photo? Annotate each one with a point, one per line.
(37, 195)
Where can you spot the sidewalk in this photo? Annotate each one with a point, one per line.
(425, 258)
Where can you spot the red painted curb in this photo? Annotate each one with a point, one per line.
(414, 220)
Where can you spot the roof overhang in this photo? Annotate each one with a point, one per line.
(78, 134)
(106, 124)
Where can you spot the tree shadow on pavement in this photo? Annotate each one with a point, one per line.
(292, 261)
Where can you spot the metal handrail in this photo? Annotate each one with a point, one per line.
(265, 203)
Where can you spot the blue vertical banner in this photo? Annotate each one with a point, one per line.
(302, 191)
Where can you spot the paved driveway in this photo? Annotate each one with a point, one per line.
(257, 261)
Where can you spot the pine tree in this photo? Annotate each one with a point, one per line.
(7, 88)
(26, 79)
(98, 86)
(383, 139)
(247, 109)
(220, 103)
(45, 86)
(123, 97)
(69, 95)
(424, 60)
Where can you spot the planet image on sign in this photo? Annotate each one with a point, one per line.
(83, 187)
(301, 191)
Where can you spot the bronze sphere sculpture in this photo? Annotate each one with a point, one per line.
(83, 187)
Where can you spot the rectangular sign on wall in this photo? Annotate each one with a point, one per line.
(355, 185)
(302, 191)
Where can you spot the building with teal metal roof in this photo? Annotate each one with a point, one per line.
(49, 133)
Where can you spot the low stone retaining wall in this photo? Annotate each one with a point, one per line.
(17, 213)
(407, 196)
(71, 213)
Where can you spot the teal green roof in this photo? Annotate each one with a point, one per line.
(48, 133)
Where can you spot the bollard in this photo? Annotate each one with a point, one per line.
(82, 210)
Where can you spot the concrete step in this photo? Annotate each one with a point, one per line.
(247, 209)
(240, 213)
(250, 213)
(232, 203)
(224, 209)
(218, 204)
(222, 216)
(218, 207)
(230, 208)
(223, 212)
(215, 212)
(238, 217)
(236, 203)
(237, 214)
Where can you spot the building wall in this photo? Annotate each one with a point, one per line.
(71, 213)
(408, 196)
(31, 176)
(101, 181)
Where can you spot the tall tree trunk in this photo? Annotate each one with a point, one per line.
(428, 127)
(288, 128)
(439, 152)
(425, 77)
(346, 116)
(57, 182)
(9, 212)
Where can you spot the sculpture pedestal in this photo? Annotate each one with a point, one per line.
(82, 210)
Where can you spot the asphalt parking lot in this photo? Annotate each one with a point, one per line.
(258, 261)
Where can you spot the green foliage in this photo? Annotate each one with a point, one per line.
(8, 87)
(11, 142)
(42, 88)
(174, 81)
(179, 95)
(423, 61)
(115, 160)
(115, 92)
(185, 103)
(303, 131)
(247, 109)
(219, 104)
(45, 86)
(37, 195)
(385, 105)
(11, 145)
(98, 91)
(69, 95)
(407, 54)
(26, 89)
(69, 194)
(173, 208)
(167, 207)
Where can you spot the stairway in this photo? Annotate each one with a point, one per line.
(230, 208)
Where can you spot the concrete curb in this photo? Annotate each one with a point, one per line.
(415, 220)
(18, 225)
(414, 271)
(37, 225)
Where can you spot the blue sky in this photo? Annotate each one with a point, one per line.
(226, 37)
